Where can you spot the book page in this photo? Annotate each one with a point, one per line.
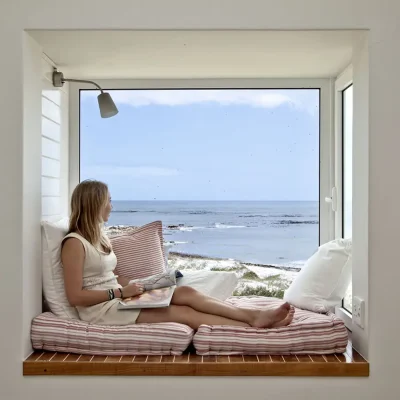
(151, 299)
(165, 279)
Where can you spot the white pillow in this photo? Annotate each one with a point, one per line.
(324, 279)
(53, 275)
(218, 284)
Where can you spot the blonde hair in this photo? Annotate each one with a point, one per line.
(87, 202)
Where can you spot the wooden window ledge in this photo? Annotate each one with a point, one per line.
(51, 363)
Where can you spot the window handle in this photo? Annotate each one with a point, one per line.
(332, 199)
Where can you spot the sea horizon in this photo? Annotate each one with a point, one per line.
(217, 201)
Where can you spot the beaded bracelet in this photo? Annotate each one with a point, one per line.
(111, 294)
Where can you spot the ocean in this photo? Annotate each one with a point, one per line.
(261, 232)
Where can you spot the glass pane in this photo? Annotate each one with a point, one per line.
(347, 175)
(232, 174)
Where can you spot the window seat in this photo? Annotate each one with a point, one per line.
(349, 363)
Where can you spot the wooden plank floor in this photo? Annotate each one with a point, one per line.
(50, 363)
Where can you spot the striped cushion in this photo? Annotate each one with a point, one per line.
(309, 333)
(51, 333)
(140, 253)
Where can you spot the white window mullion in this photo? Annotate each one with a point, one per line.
(326, 165)
(338, 161)
(343, 82)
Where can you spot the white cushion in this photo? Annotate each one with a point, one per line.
(218, 284)
(324, 279)
(53, 275)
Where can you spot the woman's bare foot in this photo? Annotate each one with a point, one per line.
(285, 322)
(267, 318)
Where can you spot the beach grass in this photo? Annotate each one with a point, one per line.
(259, 291)
(253, 279)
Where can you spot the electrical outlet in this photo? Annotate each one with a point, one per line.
(358, 311)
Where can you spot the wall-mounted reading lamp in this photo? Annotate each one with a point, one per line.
(106, 103)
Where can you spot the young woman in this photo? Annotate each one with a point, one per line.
(89, 263)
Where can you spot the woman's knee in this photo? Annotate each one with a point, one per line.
(186, 291)
(183, 295)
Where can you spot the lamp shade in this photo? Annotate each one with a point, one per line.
(106, 105)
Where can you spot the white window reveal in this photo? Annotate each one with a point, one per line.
(344, 171)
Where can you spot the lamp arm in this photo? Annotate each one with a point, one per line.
(84, 81)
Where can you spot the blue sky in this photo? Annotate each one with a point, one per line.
(204, 144)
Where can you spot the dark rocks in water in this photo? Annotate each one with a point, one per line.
(253, 216)
(292, 222)
(124, 211)
(119, 229)
(175, 226)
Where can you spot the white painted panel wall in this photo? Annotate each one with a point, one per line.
(51, 168)
(51, 129)
(53, 95)
(51, 206)
(54, 147)
(50, 187)
(51, 110)
(51, 148)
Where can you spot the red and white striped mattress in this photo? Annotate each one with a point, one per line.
(52, 333)
(309, 333)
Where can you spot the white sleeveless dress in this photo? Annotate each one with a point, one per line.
(98, 274)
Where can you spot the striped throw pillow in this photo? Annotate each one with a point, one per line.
(140, 253)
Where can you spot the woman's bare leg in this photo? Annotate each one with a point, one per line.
(183, 315)
(187, 296)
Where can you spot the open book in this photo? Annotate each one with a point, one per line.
(158, 291)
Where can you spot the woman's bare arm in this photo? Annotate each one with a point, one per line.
(123, 281)
(73, 258)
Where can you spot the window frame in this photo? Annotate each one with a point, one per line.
(326, 148)
(344, 80)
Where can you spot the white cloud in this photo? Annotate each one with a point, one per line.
(98, 171)
(262, 98)
(304, 99)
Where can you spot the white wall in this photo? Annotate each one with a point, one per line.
(31, 206)
(18, 164)
(360, 183)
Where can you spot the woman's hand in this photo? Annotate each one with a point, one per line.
(132, 290)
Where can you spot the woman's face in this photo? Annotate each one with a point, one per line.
(107, 209)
